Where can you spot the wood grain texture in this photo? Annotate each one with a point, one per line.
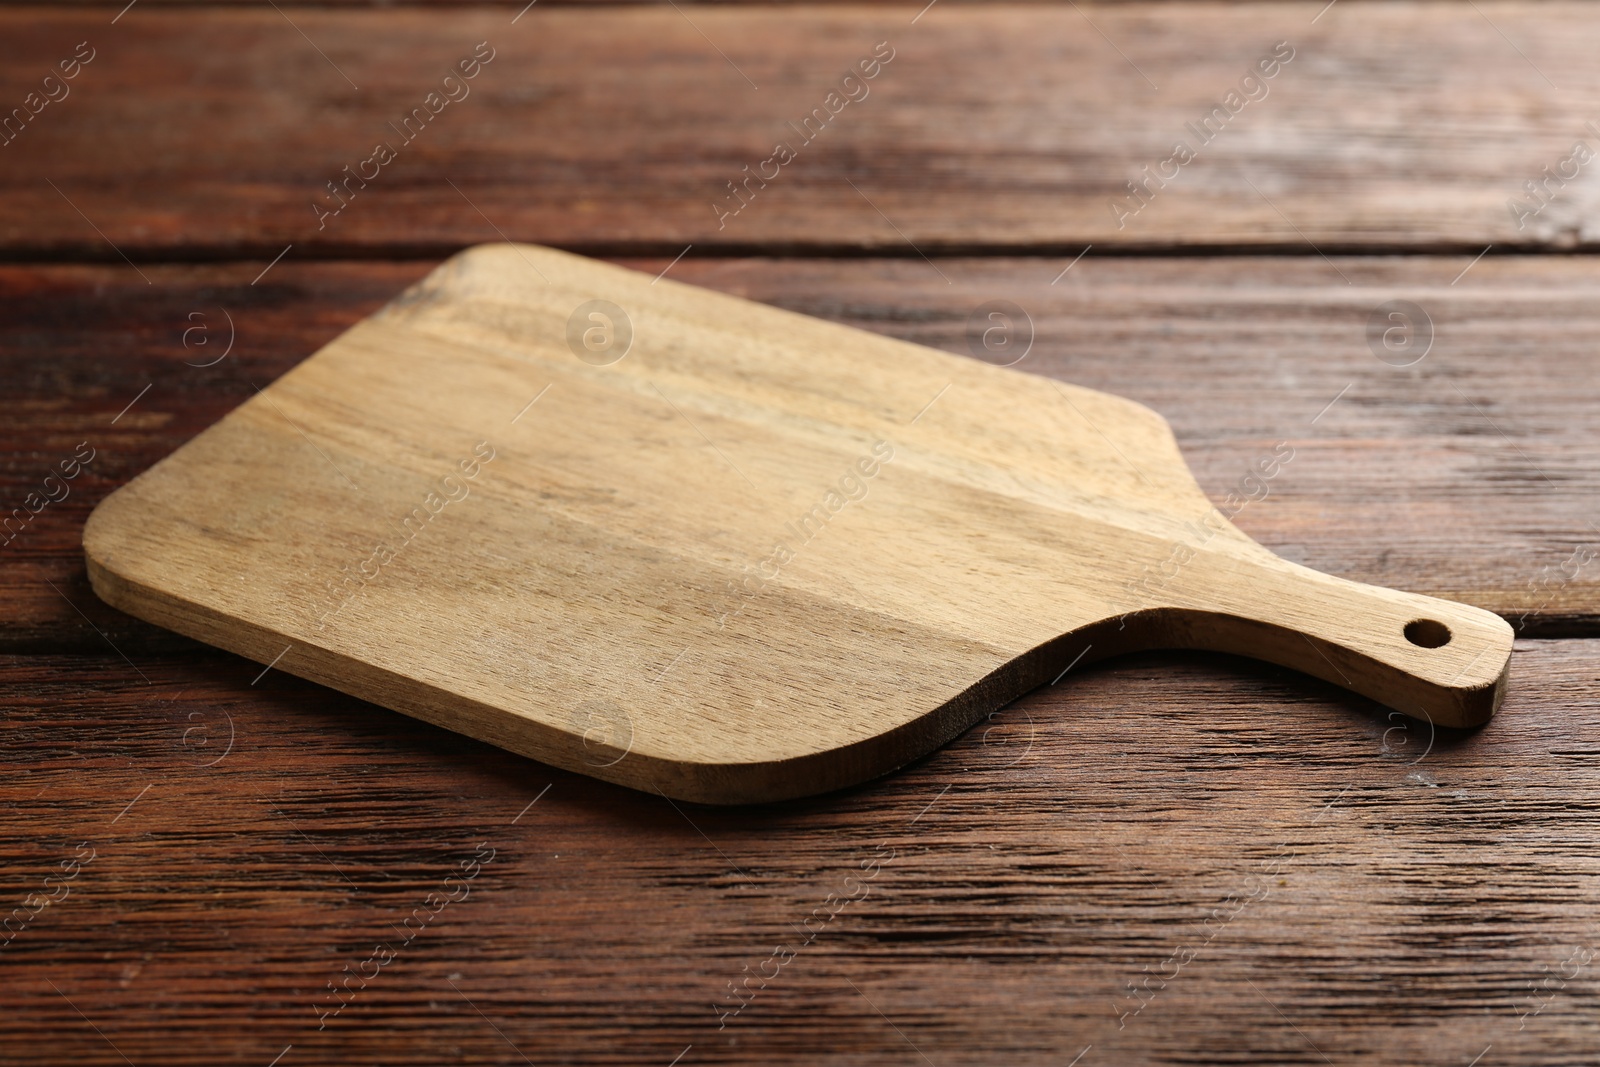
(1401, 125)
(1344, 884)
(1431, 478)
(1025, 525)
(1423, 916)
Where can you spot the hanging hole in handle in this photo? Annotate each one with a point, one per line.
(1426, 633)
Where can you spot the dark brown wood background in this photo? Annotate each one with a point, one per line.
(1170, 858)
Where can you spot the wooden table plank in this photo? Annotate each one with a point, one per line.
(1468, 475)
(1373, 893)
(198, 132)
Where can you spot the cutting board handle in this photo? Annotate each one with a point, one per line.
(1428, 658)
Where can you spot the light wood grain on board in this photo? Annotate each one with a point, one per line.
(1394, 126)
(1403, 482)
(1051, 856)
(1024, 526)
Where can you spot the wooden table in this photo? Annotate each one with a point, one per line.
(1170, 858)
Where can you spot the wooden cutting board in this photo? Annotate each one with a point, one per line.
(712, 549)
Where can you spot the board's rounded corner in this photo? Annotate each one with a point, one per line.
(784, 774)
(480, 269)
(1138, 409)
(102, 521)
(1151, 415)
(106, 524)
(773, 779)
(487, 256)
(469, 255)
